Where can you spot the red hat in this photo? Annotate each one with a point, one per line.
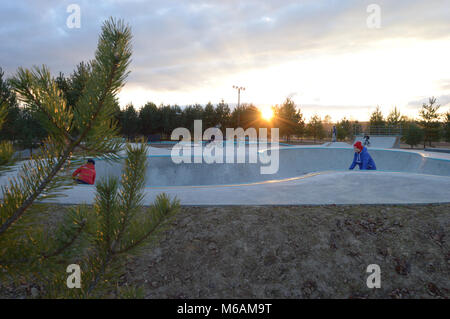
(358, 145)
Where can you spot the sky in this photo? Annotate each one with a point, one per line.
(332, 57)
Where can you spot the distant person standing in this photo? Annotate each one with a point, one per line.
(334, 135)
(85, 174)
(362, 158)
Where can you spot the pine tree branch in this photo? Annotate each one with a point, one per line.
(31, 198)
(132, 195)
(66, 154)
(27, 203)
(100, 273)
(102, 99)
(49, 117)
(140, 240)
(57, 252)
(68, 243)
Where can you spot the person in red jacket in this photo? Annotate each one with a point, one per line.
(86, 173)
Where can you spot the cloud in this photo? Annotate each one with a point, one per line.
(320, 107)
(182, 45)
(445, 85)
(443, 100)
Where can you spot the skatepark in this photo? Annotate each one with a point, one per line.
(306, 175)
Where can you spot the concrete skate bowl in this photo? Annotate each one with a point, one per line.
(294, 162)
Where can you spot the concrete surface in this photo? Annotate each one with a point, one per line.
(440, 150)
(306, 175)
(353, 187)
(337, 144)
(380, 141)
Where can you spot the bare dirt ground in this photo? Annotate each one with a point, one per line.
(299, 252)
(292, 252)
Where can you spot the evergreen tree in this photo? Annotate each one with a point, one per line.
(150, 119)
(344, 129)
(7, 95)
(31, 131)
(117, 226)
(223, 115)
(430, 121)
(170, 118)
(394, 118)
(250, 116)
(94, 239)
(6, 147)
(236, 115)
(190, 114)
(288, 119)
(63, 149)
(63, 84)
(129, 121)
(209, 116)
(77, 83)
(377, 122)
(315, 128)
(176, 117)
(412, 134)
(447, 127)
(8, 100)
(395, 122)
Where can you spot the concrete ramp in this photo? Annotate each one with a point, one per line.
(381, 141)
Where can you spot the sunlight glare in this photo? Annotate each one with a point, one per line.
(267, 113)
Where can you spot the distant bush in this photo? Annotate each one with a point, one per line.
(413, 134)
(447, 127)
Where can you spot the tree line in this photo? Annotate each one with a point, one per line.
(22, 124)
(430, 126)
(163, 119)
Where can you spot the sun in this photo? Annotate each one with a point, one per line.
(267, 113)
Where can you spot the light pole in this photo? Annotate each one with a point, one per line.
(239, 88)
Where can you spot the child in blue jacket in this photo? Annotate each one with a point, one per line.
(362, 158)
